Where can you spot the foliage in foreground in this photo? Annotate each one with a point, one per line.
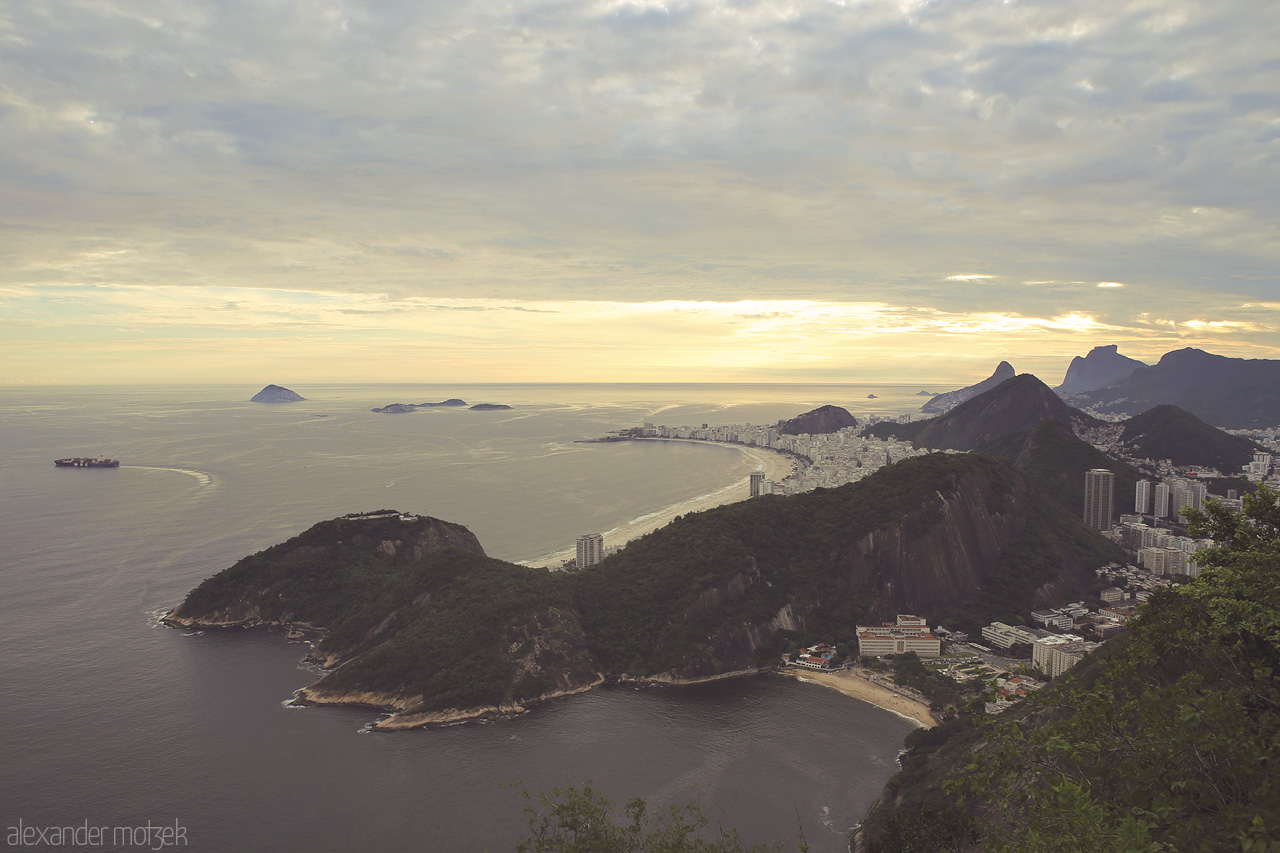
(1168, 740)
(569, 820)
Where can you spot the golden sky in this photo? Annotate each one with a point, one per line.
(870, 191)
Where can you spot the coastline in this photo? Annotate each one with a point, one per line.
(859, 688)
(776, 467)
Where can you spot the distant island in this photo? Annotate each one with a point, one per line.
(276, 394)
(488, 407)
(403, 408)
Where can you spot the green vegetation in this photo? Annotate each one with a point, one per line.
(1166, 740)
(959, 537)
(1167, 432)
(582, 821)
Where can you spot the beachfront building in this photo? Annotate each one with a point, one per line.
(907, 634)
(815, 657)
(590, 549)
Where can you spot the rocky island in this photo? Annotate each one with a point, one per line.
(489, 407)
(420, 623)
(276, 394)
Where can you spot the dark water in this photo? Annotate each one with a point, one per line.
(108, 717)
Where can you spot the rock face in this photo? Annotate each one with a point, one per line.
(1103, 366)
(820, 421)
(948, 401)
(1233, 393)
(276, 394)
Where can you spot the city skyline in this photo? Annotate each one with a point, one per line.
(607, 191)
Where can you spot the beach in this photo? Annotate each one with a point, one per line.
(776, 467)
(850, 684)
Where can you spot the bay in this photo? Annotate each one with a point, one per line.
(109, 717)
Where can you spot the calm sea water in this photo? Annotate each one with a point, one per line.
(108, 717)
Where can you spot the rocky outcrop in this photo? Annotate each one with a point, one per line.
(820, 421)
(948, 401)
(276, 394)
(1103, 366)
(396, 409)
(246, 596)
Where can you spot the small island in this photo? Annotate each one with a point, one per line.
(402, 408)
(276, 394)
(488, 407)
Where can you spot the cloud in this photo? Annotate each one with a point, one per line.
(634, 152)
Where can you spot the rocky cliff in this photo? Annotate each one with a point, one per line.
(1102, 366)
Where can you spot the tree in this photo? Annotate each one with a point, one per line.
(569, 820)
(1167, 739)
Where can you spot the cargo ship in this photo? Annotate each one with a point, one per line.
(87, 462)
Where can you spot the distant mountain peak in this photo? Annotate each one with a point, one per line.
(945, 402)
(276, 394)
(1103, 366)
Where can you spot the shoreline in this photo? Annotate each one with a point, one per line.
(855, 687)
(776, 467)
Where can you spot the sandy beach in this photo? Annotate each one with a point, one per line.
(859, 688)
(776, 467)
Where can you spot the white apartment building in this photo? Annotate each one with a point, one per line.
(907, 634)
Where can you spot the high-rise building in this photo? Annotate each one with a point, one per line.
(590, 549)
(1099, 485)
(757, 483)
(1142, 497)
(1161, 501)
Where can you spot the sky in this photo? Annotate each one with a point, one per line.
(296, 191)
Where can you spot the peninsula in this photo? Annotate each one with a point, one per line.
(420, 623)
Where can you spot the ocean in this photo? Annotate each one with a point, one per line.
(111, 718)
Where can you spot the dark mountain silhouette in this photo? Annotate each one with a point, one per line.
(1103, 366)
(820, 421)
(945, 402)
(1167, 432)
(1235, 393)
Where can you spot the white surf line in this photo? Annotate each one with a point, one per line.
(624, 533)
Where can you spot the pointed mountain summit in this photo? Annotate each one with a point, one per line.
(820, 421)
(1103, 366)
(948, 401)
(1014, 405)
(276, 394)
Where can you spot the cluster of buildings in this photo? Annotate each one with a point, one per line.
(907, 634)
(830, 460)
(814, 657)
